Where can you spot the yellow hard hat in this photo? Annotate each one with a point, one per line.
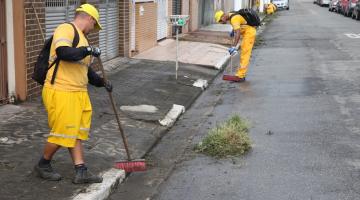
(218, 15)
(92, 11)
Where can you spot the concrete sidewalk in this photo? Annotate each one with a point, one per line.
(145, 90)
(199, 53)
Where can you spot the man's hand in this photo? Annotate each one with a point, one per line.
(108, 86)
(232, 50)
(232, 33)
(95, 51)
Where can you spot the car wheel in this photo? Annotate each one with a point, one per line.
(287, 8)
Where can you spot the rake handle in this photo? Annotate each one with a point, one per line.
(116, 112)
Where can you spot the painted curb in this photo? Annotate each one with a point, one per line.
(221, 64)
(100, 191)
(172, 115)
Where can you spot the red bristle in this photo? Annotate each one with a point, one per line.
(230, 78)
(131, 166)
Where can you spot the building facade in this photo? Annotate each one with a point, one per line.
(130, 27)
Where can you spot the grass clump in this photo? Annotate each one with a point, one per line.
(228, 139)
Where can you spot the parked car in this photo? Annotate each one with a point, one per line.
(356, 11)
(333, 6)
(350, 7)
(323, 3)
(282, 4)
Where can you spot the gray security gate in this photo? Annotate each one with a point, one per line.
(109, 35)
(162, 24)
(176, 6)
(58, 12)
(3, 55)
(206, 12)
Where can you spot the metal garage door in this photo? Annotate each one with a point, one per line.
(3, 54)
(176, 11)
(162, 25)
(206, 10)
(58, 12)
(109, 35)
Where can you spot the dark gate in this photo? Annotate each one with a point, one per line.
(176, 10)
(3, 55)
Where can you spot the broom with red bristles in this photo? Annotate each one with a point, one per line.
(128, 165)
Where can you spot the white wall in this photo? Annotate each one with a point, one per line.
(10, 47)
(237, 4)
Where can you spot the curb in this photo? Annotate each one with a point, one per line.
(172, 116)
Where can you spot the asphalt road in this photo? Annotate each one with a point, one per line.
(303, 86)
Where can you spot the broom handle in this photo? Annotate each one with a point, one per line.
(116, 112)
(38, 21)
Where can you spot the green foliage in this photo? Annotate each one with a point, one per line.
(228, 139)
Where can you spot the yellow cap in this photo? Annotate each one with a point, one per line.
(218, 15)
(92, 11)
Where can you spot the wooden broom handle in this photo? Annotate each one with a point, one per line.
(115, 111)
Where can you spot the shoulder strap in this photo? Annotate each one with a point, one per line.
(76, 35)
(74, 45)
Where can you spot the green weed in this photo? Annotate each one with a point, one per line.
(228, 139)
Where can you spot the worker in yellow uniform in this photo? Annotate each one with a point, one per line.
(66, 97)
(270, 9)
(248, 34)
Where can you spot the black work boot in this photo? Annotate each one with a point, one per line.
(46, 172)
(82, 175)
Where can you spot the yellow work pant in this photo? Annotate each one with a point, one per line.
(270, 9)
(248, 39)
(69, 116)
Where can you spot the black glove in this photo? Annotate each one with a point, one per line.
(108, 86)
(95, 51)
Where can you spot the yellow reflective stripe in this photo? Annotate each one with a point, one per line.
(85, 129)
(52, 58)
(67, 41)
(63, 135)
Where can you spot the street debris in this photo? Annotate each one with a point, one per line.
(228, 139)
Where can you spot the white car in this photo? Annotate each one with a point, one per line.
(282, 4)
(324, 3)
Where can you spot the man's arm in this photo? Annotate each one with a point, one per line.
(94, 78)
(237, 38)
(71, 53)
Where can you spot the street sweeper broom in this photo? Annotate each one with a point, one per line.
(128, 165)
(229, 75)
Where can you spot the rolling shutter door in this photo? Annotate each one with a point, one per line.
(176, 11)
(109, 35)
(58, 12)
(162, 25)
(207, 12)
